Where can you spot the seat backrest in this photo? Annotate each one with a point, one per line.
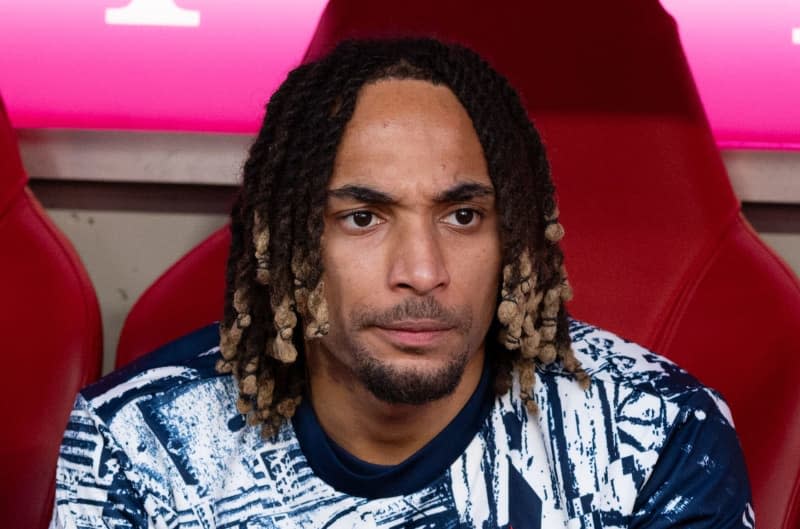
(52, 337)
(656, 246)
(184, 298)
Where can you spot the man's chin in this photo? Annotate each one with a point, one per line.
(399, 383)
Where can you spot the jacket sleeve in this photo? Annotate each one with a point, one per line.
(95, 481)
(700, 479)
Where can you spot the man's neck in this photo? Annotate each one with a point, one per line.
(375, 431)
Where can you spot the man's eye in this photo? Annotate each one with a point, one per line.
(361, 219)
(463, 217)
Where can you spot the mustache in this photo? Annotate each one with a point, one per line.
(427, 308)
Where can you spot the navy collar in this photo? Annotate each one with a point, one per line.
(346, 473)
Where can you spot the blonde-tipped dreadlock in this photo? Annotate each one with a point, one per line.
(261, 244)
(282, 348)
(529, 318)
(257, 386)
(274, 273)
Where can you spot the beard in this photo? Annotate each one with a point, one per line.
(406, 386)
(395, 385)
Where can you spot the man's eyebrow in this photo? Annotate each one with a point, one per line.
(464, 192)
(361, 194)
(458, 193)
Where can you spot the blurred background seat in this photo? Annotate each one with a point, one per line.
(52, 337)
(187, 296)
(657, 248)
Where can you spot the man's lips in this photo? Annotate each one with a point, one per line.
(415, 333)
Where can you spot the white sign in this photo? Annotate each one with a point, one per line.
(152, 13)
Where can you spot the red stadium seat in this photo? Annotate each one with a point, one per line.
(656, 245)
(50, 323)
(187, 296)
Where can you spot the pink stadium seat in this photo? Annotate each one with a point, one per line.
(50, 323)
(657, 248)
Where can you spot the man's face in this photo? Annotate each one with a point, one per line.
(411, 247)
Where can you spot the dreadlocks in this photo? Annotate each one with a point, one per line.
(274, 272)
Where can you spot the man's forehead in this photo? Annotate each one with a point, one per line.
(409, 133)
(385, 99)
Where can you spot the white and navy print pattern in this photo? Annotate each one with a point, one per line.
(161, 445)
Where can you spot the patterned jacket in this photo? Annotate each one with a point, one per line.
(160, 444)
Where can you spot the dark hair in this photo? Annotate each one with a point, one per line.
(274, 270)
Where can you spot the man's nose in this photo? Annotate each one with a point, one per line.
(417, 262)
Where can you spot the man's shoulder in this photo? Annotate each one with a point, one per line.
(157, 437)
(640, 417)
(624, 366)
(172, 372)
(635, 403)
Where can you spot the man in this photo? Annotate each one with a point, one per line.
(395, 350)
